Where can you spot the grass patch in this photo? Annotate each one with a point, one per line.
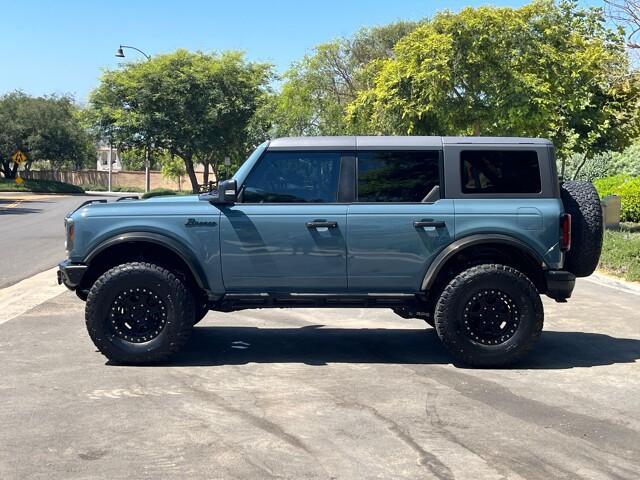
(38, 186)
(621, 252)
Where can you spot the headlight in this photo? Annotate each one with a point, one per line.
(70, 229)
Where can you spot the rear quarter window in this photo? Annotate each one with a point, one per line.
(500, 171)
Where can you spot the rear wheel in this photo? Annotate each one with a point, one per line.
(489, 315)
(139, 313)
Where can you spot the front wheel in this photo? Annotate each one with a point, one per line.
(489, 316)
(139, 313)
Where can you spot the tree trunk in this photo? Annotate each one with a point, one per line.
(188, 162)
(577, 172)
(205, 177)
(6, 170)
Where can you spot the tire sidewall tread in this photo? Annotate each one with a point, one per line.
(178, 301)
(451, 303)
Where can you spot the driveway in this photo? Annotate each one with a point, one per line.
(348, 394)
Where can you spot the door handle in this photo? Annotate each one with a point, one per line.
(321, 224)
(430, 223)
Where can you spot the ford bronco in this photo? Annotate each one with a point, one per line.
(464, 233)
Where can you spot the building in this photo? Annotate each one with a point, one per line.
(103, 159)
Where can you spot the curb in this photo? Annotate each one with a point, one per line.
(111, 194)
(618, 284)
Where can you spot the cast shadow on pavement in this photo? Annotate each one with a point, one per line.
(313, 345)
(13, 207)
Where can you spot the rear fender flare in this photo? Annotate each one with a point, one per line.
(472, 240)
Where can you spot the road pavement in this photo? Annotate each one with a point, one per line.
(319, 394)
(32, 233)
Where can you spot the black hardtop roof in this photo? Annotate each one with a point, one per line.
(395, 142)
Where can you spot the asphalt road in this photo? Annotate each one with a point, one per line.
(32, 233)
(306, 394)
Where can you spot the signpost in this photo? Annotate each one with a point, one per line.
(19, 158)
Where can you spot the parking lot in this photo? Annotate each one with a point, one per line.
(323, 394)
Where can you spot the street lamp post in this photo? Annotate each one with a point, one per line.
(147, 163)
(120, 52)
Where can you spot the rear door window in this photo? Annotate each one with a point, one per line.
(500, 171)
(393, 177)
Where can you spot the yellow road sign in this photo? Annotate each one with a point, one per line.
(19, 181)
(19, 157)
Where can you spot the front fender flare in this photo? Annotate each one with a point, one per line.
(477, 239)
(174, 245)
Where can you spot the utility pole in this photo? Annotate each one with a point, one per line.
(147, 175)
(110, 156)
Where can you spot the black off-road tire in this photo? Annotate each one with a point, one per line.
(201, 310)
(463, 289)
(175, 299)
(581, 200)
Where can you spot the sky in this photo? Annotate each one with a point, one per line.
(63, 46)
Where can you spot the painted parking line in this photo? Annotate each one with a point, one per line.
(29, 293)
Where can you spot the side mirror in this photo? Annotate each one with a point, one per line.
(226, 193)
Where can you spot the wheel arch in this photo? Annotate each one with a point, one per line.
(132, 245)
(464, 245)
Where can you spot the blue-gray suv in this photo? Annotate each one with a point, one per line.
(464, 233)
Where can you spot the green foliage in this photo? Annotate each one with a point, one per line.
(173, 167)
(317, 89)
(38, 186)
(546, 69)
(114, 188)
(621, 253)
(196, 106)
(579, 167)
(627, 161)
(162, 192)
(159, 192)
(47, 129)
(629, 193)
(628, 189)
(609, 185)
(89, 187)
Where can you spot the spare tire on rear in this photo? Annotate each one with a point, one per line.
(582, 202)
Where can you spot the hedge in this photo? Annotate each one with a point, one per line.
(38, 186)
(628, 189)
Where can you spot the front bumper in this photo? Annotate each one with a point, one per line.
(71, 273)
(560, 284)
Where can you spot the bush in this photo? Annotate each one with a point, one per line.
(159, 192)
(124, 188)
(597, 166)
(38, 186)
(627, 161)
(88, 187)
(628, 189)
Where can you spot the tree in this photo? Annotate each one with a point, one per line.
(546, 69)
(46, 129)
(317, 89)
(627, 14)
(196, 106)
